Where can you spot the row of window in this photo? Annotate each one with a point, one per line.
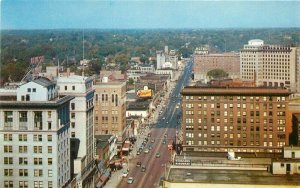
(244, 98)
(24, 184)
(24, 149)
(24, 172)
(24, 137)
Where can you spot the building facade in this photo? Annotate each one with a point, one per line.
(35, 137)
(110, 108)
(235, 119)
(81, 126)
(269, 65)
(205, 62)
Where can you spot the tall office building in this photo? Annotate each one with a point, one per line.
(269, 65)
(160, 59)
(110, 107)
(34, 135)
(81, 126)
(221, 119)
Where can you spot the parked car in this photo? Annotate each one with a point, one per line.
(125, 174)
(138, 152)
(143, 169)
(157, 155)
(138, 164)
(130, 180)
(146, 151)
(152, 140)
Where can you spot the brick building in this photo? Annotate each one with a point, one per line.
(221, 119)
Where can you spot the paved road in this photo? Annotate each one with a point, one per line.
(167, 124)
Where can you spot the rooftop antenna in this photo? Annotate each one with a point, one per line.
(58, 68)
(83, 52)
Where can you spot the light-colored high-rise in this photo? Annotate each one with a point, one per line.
(34, 136)
(269, 65)
(81, 126)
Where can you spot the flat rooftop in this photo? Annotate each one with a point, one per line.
(219, 176)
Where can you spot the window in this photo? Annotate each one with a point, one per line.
(73, 125)
(8, 184)
(22, 137)
(38, 120)
(37, 149)
(28, 89)
(23, 116)
(50, 173)
(22, 149)
(73, 134)
(37, 137)
(73, 88)
(50, 184)
(8, 160)
(23, 161)
(73, 106)
(66, 88)
(8, 172)
(49, 125)
(72, 115)
(34, 90)
(37, 161)
(49, 161)
(23, 172)
(23, 184)
(49, 149)
(7, 149)
(38, 172)
(8, 137)
(49, 138)
(38, 184)
(8, 116)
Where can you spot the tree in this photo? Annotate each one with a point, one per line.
(130, 81)
(217, 73)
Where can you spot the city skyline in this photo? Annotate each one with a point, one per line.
(149, 14)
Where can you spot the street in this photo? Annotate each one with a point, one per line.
(167, 124)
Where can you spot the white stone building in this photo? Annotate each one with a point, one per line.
(269, 65)
(81, 126)
(34, 135)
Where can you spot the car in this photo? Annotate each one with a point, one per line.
(164, 142)
(138, 164)
(157, 155)
(150, 147)
(164, 118)
(152, 140)
(130, 180)
(143, 169)
(146, 151)
(149, 134)
(138, 152)
(125, 174)
(167, 122)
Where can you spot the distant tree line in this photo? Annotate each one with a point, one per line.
(118, 46)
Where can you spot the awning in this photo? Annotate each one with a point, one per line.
(126, 147)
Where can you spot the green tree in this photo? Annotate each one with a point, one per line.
(217, 73)
(130, 81)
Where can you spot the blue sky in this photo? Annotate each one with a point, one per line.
(121, 14)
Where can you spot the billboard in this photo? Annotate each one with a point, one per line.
(37, 60)
(144, 93)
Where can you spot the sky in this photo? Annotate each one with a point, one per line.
(147, 14)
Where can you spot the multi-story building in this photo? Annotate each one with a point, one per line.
(110, 108)
(269, 65)
(173, 59)
(235, 119)
(160, 59)
(35, 136)
(205, 62)
(82, 126)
